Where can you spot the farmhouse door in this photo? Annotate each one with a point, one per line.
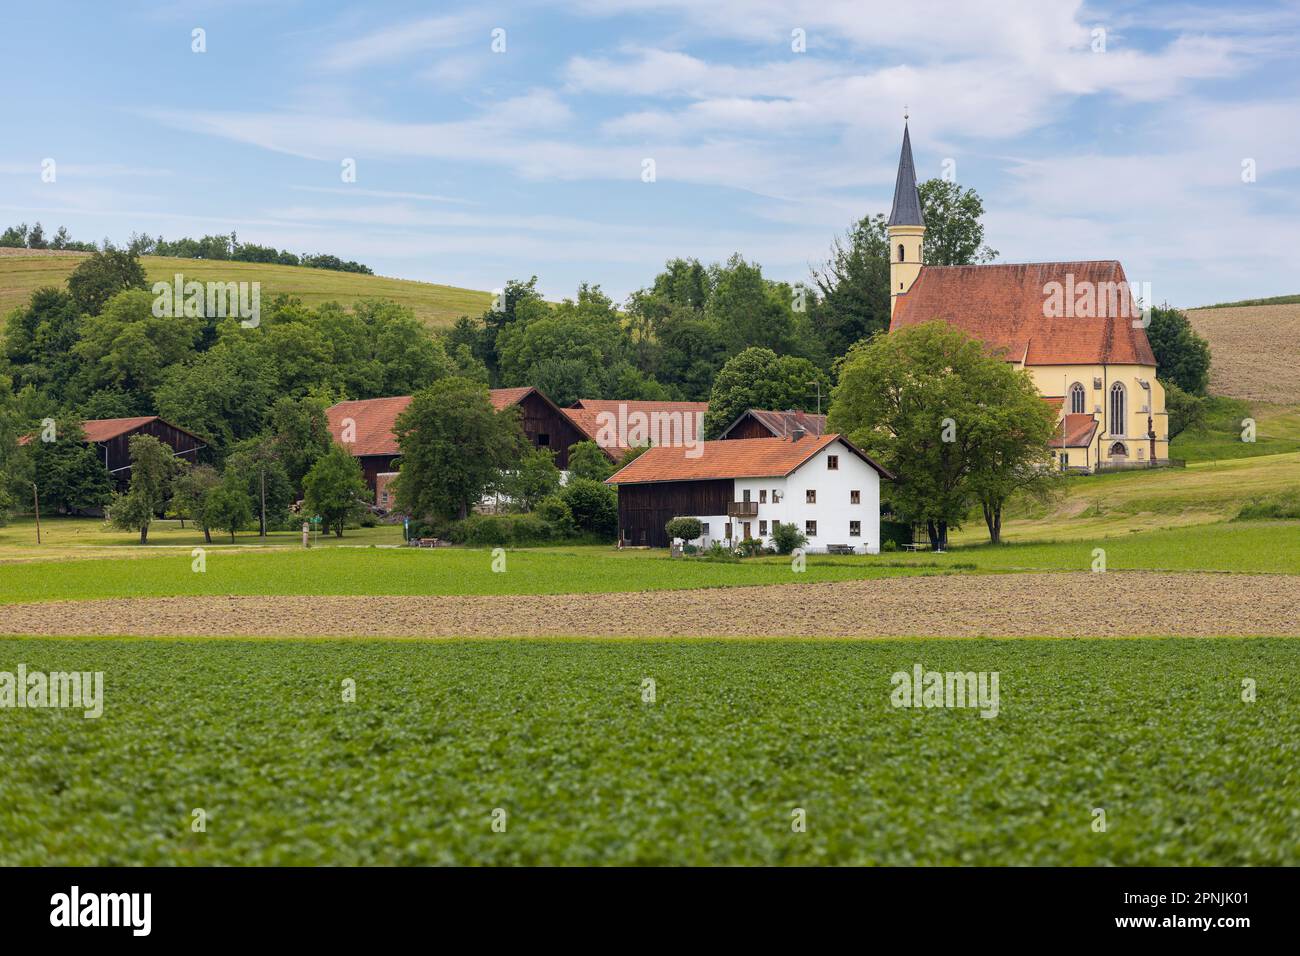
(747, 527)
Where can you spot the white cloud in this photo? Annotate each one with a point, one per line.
(403, 40)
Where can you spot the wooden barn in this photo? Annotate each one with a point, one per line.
(365, 428)
(112, 438)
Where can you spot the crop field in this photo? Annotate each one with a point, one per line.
(435, 305)
(562, 737)
(1255, 351)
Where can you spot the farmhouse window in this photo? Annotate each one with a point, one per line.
(728, 534)
(810, 528)
(745, 495)
(543, 440)
(832, 462)
(704, 529)
(762, 529)
(855, 529)
(810, 496)
(855, 497)
(762, 496)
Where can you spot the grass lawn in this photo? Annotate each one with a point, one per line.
(1121, 502)
(1261, 546)
(1277, 430)
(741, 732)
(435, 305)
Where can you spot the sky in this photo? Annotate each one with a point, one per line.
(593, 140)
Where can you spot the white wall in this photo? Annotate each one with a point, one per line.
(832, 510)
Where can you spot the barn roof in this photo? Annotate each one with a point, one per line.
(781, 424)
(584, 414)
(732, 458)
(375, 418)
(1006, 306)
(106, 429)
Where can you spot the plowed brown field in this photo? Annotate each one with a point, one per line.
(1116, 603)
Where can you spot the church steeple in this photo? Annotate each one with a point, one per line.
(906, 226)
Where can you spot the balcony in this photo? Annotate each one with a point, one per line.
(742, 509)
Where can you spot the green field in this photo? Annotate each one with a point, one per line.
(556, 733)
(435, 305)
(1260, 546)
(1277, 431)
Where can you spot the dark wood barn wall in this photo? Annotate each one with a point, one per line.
(116, 452)
(643, 510)
(547, 428)
(750, 427)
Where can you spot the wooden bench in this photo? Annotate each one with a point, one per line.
(840, 549)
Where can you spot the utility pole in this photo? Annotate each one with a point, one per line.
(262, 520)
(36, 500)
(819, 396)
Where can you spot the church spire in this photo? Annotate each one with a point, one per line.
(906, 227)
(907, 201)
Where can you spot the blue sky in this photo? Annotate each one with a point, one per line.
(475, 166)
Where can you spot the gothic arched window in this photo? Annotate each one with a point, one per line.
(1118, 410)
(1077, 399)
(901, 257)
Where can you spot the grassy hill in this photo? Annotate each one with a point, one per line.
(22, 271)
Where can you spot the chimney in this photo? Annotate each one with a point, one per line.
(797, 433)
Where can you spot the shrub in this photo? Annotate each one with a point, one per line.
(787, 537)
(1279, 506)
(896, 533)
(555, 512)
(503, 530)
(594, 507)
(688, 529)
(890, 546)
(750, 547)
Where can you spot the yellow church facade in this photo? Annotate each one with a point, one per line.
(1075, 327)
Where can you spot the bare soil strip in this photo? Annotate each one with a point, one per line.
(1116, 603)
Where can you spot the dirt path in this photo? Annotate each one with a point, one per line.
(1057, 605)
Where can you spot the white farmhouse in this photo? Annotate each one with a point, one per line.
(739, 488)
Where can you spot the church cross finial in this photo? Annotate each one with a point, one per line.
(905, 116)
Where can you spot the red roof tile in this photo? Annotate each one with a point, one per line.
(1078, 430)
(730, 458)
(373, 419)
(585, 415)
(1004, 306)
(106, 429)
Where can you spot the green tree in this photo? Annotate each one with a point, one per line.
(153, 465)
(190, 488)
(1186, 411)
(255, 461)
(39, 339)
(454, 447)
(853, 287)
(688, 529)
(335, 488)
(954, 235)
(104, 275)
(300, 433)
(1182, 356)
(594, 506)
(69, 477)
(751, 311)
(535, 478)
(221, 394)
(759, 378)
(127, 347)
(227, 507)
(588, 460)
(956, 426)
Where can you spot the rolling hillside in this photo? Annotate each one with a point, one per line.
(22, 270)
(1255, 351)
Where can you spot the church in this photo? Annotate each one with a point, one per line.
(1074, 326)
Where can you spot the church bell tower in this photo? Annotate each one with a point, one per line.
(906, 226)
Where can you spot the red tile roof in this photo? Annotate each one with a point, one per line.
(1078, 430)
(106, 429)
(731, 458)
(584, 414)
(782, 424)
(373, 419)
(1004, 306)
